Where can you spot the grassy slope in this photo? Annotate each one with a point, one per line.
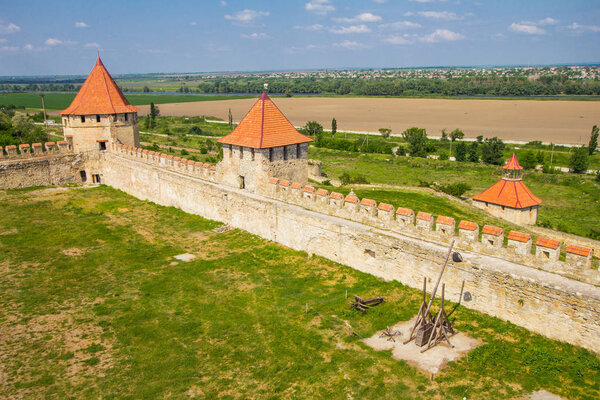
(91, 306)
(60, 101)
(570, 202)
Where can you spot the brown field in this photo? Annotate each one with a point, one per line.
(520, 120)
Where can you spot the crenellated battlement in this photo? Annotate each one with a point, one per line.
(518, 247)
(13, 152)
(189, 167)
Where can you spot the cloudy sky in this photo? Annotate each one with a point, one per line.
(61, 37)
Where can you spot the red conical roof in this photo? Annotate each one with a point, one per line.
(509, 193)
(512, 163)
(263, 127)
(99, 94)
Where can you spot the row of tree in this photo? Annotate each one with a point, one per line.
(462, 86)
(476, 85)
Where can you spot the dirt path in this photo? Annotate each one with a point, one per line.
(567, 122)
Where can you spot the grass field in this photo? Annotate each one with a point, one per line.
(93, 305)
(60, 101)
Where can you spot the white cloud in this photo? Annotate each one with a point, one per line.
(81, 25)
(547, 21)
(30, 47)
(441, 35)
(344, 30)
(193, 23)
(526, 28)
(10, 28)
(223, 3)
(364, 17)
(351, 45)
(423, 1)
(2, 40)
(296, 49)
(399, 25)
(9, 48)
(53, 42)
(577, 27)
(93, 44)
(397, 39)
(314, 27)
(255, 35)
(380, 1)
(246, 16)
(445, 15)
(321, 7)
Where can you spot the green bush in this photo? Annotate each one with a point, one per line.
(195, 130)
(579, 160)
(454, 189)
(444, 156)
(203, 150)
(347, 179)
(401, 151)
(184, 152)
(528, 160)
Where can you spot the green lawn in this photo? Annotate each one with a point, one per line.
(570, 203)
(60, 101)
(93, 305)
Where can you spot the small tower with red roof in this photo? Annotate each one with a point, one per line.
(264, 145)
(510, 198)
(100, 113)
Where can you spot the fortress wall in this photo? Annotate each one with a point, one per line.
(543, 254)
(543, 302)
(37, 165)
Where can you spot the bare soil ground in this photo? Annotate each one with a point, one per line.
(434, 359)
(521, 120)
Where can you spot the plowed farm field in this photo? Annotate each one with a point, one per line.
(554, 121)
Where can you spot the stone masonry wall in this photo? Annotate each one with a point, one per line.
(53, 165)
(544, 302)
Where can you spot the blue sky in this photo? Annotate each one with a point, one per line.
(61, 37)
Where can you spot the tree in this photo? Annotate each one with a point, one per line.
(579, 160)
(385, 132)
(313, 128)
(333, 127)
(540, 157)
(491, 151)
(417, 139)
(461, 151)
(528, 161)
(444, 135)
(593, 140)
(154, 112)
(456, 134)
(480, 138)
(474, 152)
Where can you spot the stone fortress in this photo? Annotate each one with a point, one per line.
(261, 186)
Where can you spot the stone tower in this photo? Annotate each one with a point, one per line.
(265, 144)
(510, 198)
(100, 113)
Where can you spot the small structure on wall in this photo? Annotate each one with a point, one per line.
(510, 198)
(100, 113)
(264, 144)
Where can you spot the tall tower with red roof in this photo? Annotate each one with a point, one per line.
(100, 113)
(510, 198)
(264, 144)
